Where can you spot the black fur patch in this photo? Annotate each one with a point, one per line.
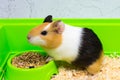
(90, 49)
(48, 19)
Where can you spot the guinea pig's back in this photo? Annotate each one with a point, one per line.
(89, 50)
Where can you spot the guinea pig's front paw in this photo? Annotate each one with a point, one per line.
(48, 59)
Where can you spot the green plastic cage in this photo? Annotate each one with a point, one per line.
(13, 40)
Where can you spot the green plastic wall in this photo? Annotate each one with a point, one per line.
(17, 37)
(4, 49)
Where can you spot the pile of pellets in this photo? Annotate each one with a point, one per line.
(29, 60)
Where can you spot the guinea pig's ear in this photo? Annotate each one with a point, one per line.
(58, 26)
(48, 19)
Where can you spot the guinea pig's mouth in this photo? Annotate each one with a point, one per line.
(36, 41)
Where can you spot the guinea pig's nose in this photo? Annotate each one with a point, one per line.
(28, 37)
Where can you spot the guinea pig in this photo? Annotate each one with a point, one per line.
(78, 46)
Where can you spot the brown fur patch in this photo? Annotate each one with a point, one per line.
(36, 31)
(52, 39)
(96, 66)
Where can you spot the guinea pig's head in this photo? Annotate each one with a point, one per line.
(48, 34)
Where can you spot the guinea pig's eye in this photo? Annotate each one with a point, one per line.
(44, 33)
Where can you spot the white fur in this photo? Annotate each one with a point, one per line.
(37, 41)
(47, 26)
(68, 50)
